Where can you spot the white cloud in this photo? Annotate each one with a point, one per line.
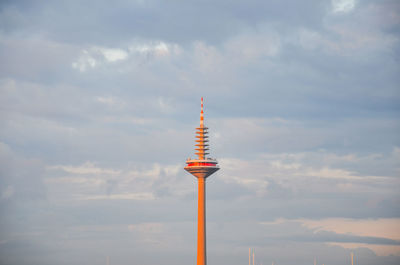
(106, 100)
(344, 6)
(84, 62)
(111, 102)
(382, 227)
(140, 196)
(234, 172)
(91, 182)
(304, 172)
(96, 56)
(361, 34)
(74, 181)
(113, 55)
(86, 168)
(157, 49)
(347, 41)
(254, 45)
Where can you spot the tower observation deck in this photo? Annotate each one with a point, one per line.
(201, 168)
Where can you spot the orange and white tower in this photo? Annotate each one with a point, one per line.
(201, 168)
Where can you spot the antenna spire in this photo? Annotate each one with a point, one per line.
(202, 146)
(202, 114)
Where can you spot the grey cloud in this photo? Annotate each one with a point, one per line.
(35, 59)
(21, 178)
(173, 21)
(302, 108)
(323, 236)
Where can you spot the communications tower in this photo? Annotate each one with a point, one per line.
(201, 168)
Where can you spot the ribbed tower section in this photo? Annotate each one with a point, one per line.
(201, 168)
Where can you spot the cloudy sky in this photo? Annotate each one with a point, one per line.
(98, 105)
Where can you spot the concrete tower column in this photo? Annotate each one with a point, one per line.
(201, 223)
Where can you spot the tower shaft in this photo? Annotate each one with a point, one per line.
(201, 223)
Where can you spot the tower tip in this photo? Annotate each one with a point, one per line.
(201, 114)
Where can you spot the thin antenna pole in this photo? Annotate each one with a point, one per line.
(202, 114)
(253, 256)
(249, 256)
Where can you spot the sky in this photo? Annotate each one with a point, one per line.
(99, 101)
